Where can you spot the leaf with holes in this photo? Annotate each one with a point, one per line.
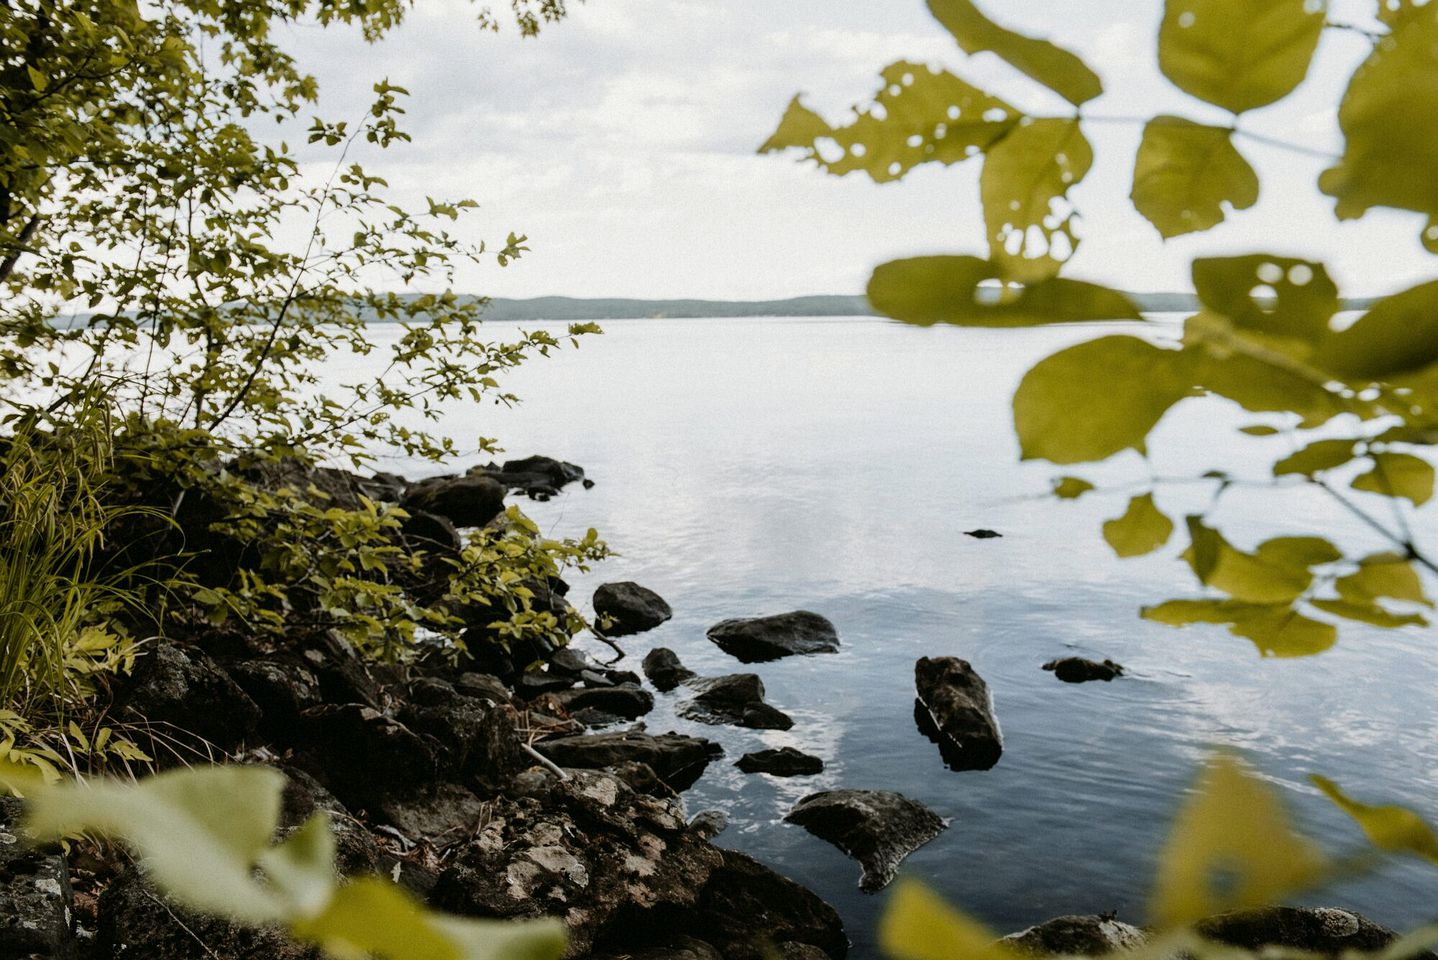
(918, 116)
(1143, 528)
(1398, 335)
(1024, 188)
(1231, 848)
(1186, 174)
(1398, 475)
(1239, 54)
(1051, 65)
(959, 290)
(1388, 159)
(1094, 399)
(1278, 296)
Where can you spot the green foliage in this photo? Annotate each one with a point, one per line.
(1187, 173)
(206, 839)
(1051, 65)
(1142, 528)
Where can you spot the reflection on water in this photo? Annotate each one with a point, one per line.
(749, 467)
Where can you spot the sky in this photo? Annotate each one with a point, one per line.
(623, 142)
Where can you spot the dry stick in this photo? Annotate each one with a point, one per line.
(545, 762)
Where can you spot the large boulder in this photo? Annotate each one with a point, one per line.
(878, 828)
(468, 501)
(477, 741)
(677, 759)
(186, 689)
(363, 755)
(661, 665)
(759, 639)
(1077, 936)
(955, 710)
(36, 907)
(626, 700)
(736, 699)
(355, 849)
(781, 762)
(626, 607)
(746, 909)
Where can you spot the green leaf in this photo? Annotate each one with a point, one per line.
(957, 290)
(1051, 65)
(919, 116)
(1187, 173)
(1430, 235)
(1024, 187)
(1394, 12)
(1231, 848)
(1263, 385)
(303, 866)
(1383, 575)
(1199, 49)
(1391, 828)
(1388, 159)
(1275, 628)
(1279, 296)
(1369, 613)
(1092, 400)
(1276, 572)
(918, 925)
(1398, 475)
(1316, 457)
(1142, 528)
(1398, 335)
(368, 916)
(38, 80)
(1260, 430)
(1070, 488)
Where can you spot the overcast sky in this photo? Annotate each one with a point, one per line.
(623, 140)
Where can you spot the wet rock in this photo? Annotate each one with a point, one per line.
(624, 700)
(1079, 670)
(759, 639)
(746, 907)
(628, 608)
(184, 687)
(355, 849)
(661, 665)
(955, 710)
(533, 683)
(36, 905)
(362, 755)
(468, 501)
(1074, 936)
(878, 828)
(793, 950)
(1323, 930)
(677, 759)
(982, 534)
(137, 923)
(783, 762)
(530, 472)
(736, 699)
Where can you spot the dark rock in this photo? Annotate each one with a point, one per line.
(625, 700)
(282, 690)
(532, 472)
(758, 639)
(628, 608)
(593, 718)
(878, 828)
(572, 663)
(482, 686)
(542, 492)
(783, 762)
(477, 741)
(982, 534)
(506, 657)
(1079, 670)
(587, 483)
(469, 501)
(793, 950)
(677, 759)
(955, 710)
(661, 665)
(1322, 930)
(362, 755)
(439, 812)
(355, 849)
(184, 687)
(641, 778)
(709, 823)
(1089, 936)
(431, 533)
(137, 923)
(36, 904)
(736, 699)
(343, 675)
(532, 683)
(680, 948)
(387, 486)
(746, 907)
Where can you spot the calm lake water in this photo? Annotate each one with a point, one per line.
(748, 467)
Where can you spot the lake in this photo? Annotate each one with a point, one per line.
(753, 466)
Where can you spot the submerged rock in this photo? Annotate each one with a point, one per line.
(677, 759)
(954, 709)
(759, 639)
(878, 828)
(662, 667)
(783, 762)
(982, 534)
(1077, 936)
(1079, 670)
(629, 608)
(736, 699)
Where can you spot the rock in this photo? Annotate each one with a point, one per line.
(184, 687)
(343, 675)
(137, 923)
(534, 683)
(709, 823)
(482, 686)
(1079, 670)
(794, 950)
(624, 700)
(783, 762)
(355, 849)
(1088, 936)
(758, 639)
(363, 755)
(661, 665)
(477, 742)
(282, 689)
(878, 828)
(746, 907)
(641, 778)
(954, 709)
(1322, 930)
(36, 904)
(469, 501)
(529, 472)
(736, 699)
(443, 812)
(677, 759)
(431, 533)
(628, 608)
(982, 534)
(680, 948)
